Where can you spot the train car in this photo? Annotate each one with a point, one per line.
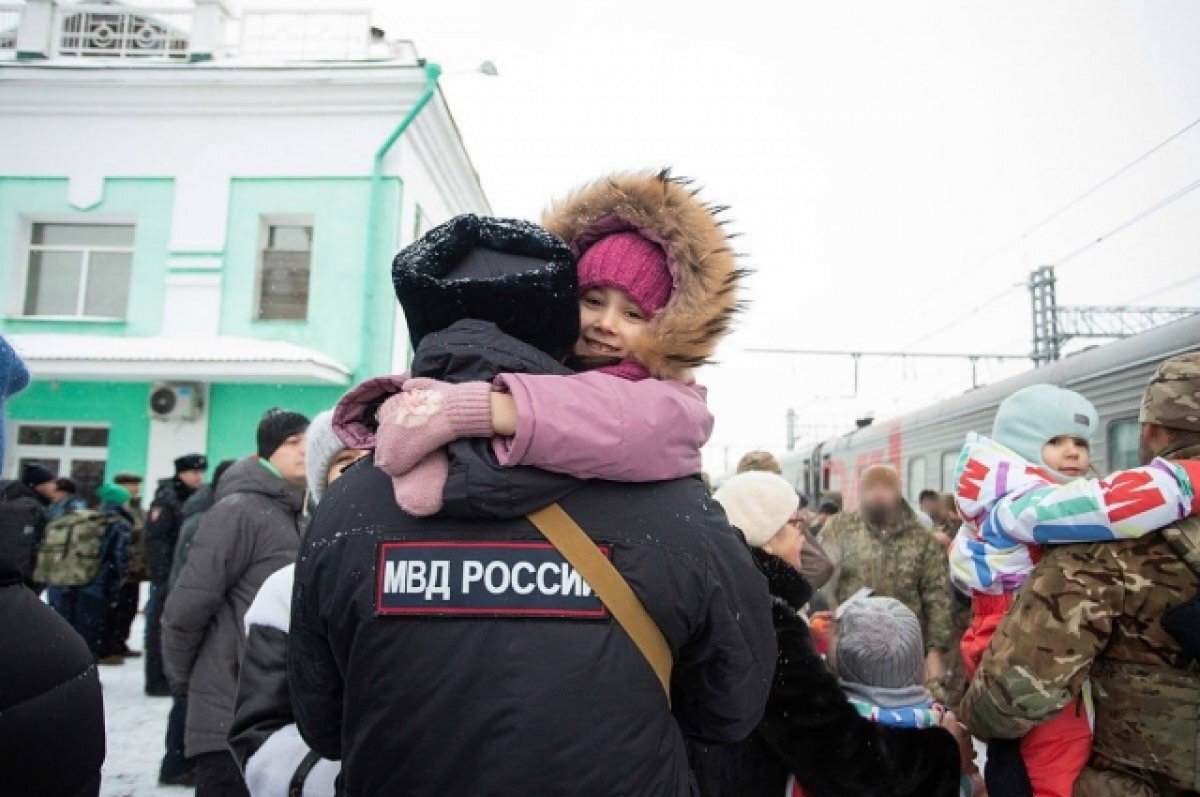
(924, 445)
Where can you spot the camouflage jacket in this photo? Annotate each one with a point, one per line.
(904, 563)
(1095, 610)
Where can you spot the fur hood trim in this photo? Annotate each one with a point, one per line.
(665, 209)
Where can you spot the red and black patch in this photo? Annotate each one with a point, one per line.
(482, 579)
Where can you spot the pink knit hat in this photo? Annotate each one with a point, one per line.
(631, 263)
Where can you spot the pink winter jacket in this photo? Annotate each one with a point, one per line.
(596, 426)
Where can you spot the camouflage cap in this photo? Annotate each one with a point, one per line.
(1172, 398)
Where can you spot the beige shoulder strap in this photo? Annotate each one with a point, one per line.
(609, 585)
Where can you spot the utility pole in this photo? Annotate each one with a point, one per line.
(1054, 325)
(791, 430)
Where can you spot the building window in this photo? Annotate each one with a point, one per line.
(284, 272)
(949, 461)
(78, 270)
(916, 478)
(77, 451)
(1123, 444)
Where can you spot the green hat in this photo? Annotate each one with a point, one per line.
(1035, 415)
(113, 494)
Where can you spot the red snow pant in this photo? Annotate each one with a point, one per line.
(1054, 752)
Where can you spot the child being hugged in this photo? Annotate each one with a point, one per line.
(657, 291)
(1025, 488)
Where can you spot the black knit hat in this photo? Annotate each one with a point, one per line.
(36, 474)
(276, 426)
(510, 272)
(190, 462)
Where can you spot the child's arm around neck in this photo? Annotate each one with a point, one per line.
(596, 425)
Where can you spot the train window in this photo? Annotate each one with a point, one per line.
(916, 478)
(949, 460)
(1123, 444)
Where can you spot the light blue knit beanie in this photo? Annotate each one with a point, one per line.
(1035, 415)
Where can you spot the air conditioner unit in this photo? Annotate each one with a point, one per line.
(176, 401)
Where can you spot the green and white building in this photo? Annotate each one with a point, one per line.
(198, 212)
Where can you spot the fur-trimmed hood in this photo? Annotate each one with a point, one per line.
(665, 209)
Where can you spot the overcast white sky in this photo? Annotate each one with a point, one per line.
(874, 153)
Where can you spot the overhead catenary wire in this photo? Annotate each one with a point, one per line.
(1125, 225)
(1089, 192)
(1060, 211)
(1165, 288)
(964, 316)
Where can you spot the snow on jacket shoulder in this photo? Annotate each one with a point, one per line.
(596, 426)
(252, 531)
(544, 703)
(264, 738)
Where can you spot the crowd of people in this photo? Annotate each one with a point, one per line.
(501, 572)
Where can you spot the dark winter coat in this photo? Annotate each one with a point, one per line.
(812, 731)
(508, 706)
(264, 737)
(51, 707)
(193, 510)
(162, 527)
(22, 527)
(253, 530)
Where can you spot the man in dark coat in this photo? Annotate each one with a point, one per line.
(51, 706)
(162, 532)
(163, 524)
(253, 530)
(515, 688)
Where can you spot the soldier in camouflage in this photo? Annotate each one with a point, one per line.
(1096, 610)
(882, 546)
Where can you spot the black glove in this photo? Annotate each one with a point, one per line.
(1183, 624)
(1005, 772)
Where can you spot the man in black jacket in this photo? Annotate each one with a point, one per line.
(501, 684)
(163, 523)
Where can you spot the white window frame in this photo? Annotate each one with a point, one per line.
(265, 222)
(914, 489)
(24, 246)
(947, 477)
(66, 453)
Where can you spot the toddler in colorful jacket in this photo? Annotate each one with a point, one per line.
(1024, 488)
(878, 655)
(657, 291)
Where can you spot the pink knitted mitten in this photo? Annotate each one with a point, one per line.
(427, 416)
(419, 492)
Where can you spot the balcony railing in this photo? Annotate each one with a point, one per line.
(305, 34)
(208, 30)
(124, 32)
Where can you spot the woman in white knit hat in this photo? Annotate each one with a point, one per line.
(811, 731)
(762, 505)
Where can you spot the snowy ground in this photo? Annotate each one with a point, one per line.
(136, 726)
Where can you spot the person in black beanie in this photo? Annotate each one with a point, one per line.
(253, 530)
(41, 480)
(163, 523)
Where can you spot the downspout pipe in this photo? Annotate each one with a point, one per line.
(432, 73)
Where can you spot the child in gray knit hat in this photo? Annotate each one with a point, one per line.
(878, 655)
